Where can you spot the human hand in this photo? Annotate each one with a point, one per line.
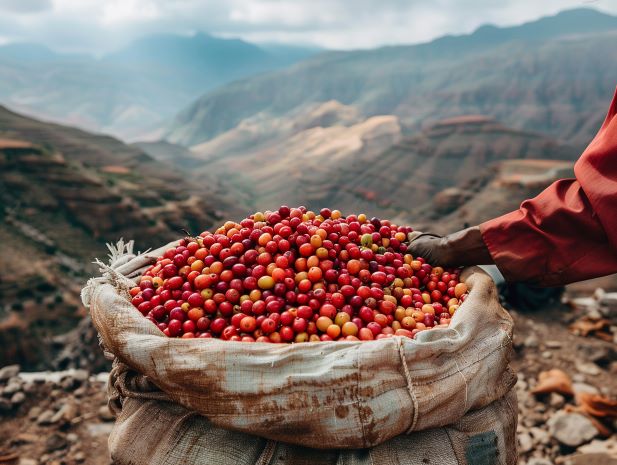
(429, 246)
(462, 248)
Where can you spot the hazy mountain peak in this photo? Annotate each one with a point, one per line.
(203, 35)
(26, 52)
(183, 50)
(578, 14)
(131, 92)
(564, 23)
(574, 21)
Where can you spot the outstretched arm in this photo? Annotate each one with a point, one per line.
(567, 233)
(554, 239)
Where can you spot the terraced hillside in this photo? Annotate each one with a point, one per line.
(64, 194)
(360, 164)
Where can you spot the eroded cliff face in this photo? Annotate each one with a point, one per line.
(360, 165)
(63, 195)
(497, 190)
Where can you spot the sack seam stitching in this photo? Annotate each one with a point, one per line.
(267, 453)
(360, 407)
(410, 390)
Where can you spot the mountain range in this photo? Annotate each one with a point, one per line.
(328, 154)
(134, 91)
(555, 75)
(385, 131)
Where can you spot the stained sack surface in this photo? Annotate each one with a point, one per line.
(374, 397)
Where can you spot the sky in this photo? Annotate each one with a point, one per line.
(99, 26)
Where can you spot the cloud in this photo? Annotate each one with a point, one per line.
(25, 6)
(104, 25)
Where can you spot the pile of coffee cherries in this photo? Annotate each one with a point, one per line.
(294, 275)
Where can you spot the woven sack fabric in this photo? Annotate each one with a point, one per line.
(324, 395)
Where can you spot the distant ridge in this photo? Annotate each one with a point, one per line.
(560, 85)
(132, 92)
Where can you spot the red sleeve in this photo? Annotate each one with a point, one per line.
(567, 233)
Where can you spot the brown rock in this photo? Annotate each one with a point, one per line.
(540, 435)
(5, 405)
(583, 387)
(55, 442)
(81, 376)
(68, 383)
(556, 400)
(591, 459)
(8, 372)
(13, 387)
(588, 325)
(8, 457)
(66, 413)
(554, 380)
(602, 355)
(553, 344)
(597, 446)
(105, 414)
(34, 412)
(532, 341)
(27, 461)
(45, 418)
(18, 398)
(596, 405)
(539, 461)
(588, 368)
(571, 429)
(525, 442)
(29, 388)
(26, 438)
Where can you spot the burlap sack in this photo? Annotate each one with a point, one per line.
(344, 395)
(152, 430)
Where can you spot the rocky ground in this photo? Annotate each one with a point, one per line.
(58, 418)
(565, 356)
(567, 382)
